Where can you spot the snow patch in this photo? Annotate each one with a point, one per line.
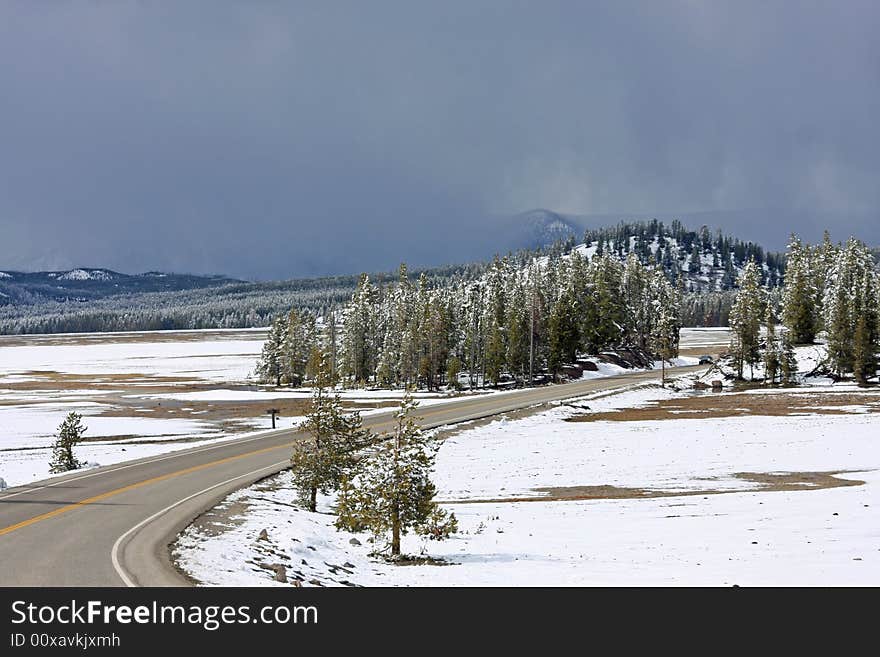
(743, 536)
(85, 275)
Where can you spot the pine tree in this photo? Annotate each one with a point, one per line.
(866, 336)
(453, 368)
(639, 311)
(607, 315)
(864, 360)
(695, 264)
(664, 336)
(392, 492)
(800, 298)
(562, 333)
(300, 340)
(319, 464)
(845, 303)
(270, 364)
(359, 333)
(518, 334)
(330, 347)
(495, 355)
(745, 319)
(771, 347)
(787, 361)
(313, 366)
(473, 332)
(70, 432)
(536, 317)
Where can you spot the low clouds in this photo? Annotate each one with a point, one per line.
(280, 139)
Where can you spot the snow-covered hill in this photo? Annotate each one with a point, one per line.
(86, 284)
(708, 261)
(86, 275)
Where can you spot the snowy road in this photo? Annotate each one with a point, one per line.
(113, 525)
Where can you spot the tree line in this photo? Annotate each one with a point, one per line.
(703, 264)
(707, 261)
(830, 289)
(514, 323)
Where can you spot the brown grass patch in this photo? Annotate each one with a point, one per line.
(731, 404)
(767, 482)
(60, 339)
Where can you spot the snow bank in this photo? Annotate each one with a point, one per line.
(742, 536)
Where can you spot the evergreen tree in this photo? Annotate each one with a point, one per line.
(606, 317)
(864, 359)
(695, 264)
(745, 319)
(562, 334)
(518, 320)
(270, 364)
(787, 361)
(70, 432)
(453, 368)
(665, 330)
(844, 304)
(359, 333)
(300, 340)
(536, 317)
(392, 492)
(330, 342)
(866, 335)
(495, 355)
(771, 347)
(799, 301)
(319, 464)
(638, 309)
(473, 332)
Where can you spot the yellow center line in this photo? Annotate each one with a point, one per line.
(103, 496)
(145, 482)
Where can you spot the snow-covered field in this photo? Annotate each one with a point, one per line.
(141, 394)
(144, 393)
(113, 380)
(742, 498)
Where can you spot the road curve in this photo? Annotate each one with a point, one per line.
(112, 526)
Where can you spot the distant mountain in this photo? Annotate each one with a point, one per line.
(85, 284)
(85, 300)
(770, 227)
(703, 261)
(707, 259)
(539, 228)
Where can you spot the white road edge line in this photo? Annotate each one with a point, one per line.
(114, 552)
(226, 442)
(161, 457)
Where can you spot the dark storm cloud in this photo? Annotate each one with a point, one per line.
(277, 139)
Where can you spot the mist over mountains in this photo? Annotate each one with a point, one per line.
(302, 249)
(482, 239)
(101, 299)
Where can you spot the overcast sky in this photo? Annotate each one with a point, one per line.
(273, 139)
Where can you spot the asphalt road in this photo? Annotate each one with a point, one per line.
(112, 526)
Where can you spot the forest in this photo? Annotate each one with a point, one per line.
(512, 324)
